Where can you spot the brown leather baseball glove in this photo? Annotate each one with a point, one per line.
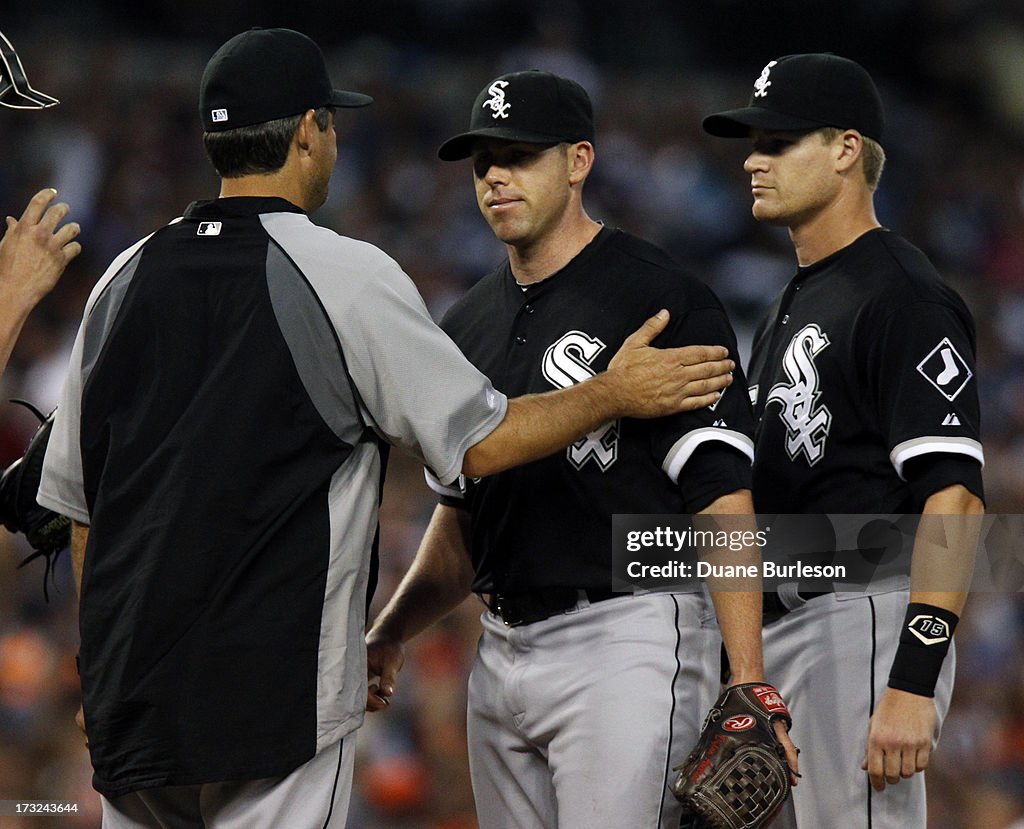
(737, 776)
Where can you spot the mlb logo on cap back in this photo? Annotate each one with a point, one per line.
(532, 106)
(798, 93)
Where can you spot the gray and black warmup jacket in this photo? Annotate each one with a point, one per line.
(220, 431)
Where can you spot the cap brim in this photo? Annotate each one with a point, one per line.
(461, 146)
(737, 123)
(340, 98)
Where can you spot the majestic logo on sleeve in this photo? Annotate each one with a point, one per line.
(945, 369)
(566, 363)
(496, 103)
(761, 84)
(807, 423)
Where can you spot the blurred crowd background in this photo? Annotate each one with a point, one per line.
(124, 150)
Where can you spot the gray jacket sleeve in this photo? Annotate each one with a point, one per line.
(416, 388)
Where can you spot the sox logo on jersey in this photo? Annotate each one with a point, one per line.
(807, 423)
(567, 362)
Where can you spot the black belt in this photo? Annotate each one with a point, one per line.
(773, 609)
(541, 603)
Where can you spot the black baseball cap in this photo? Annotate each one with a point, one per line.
(532, 106)
(806, 92)
(264, 74)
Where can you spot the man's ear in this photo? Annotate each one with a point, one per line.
(850, 145)
(580, 159)
(304, 133)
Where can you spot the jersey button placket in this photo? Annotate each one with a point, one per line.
(522, 324)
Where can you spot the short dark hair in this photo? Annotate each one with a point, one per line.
(259, 148)
(872, 153)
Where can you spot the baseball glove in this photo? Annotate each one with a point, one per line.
(47, 532)
(737, 776)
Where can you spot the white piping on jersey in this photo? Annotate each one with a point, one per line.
(928, 444)
(683, 448)
(441, 489)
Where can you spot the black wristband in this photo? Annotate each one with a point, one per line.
(924, 643)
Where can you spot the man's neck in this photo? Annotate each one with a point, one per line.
(832, 229)
(549, 255)
(269, 185)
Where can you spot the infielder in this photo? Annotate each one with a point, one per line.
(581, 700)
(866, 397)
(220, 444)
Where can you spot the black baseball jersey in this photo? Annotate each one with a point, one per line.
(864, 365)
(548, 523)
(218, 431)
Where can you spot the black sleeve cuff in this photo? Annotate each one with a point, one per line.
(927, 474)
(449, 501)
(713, 470)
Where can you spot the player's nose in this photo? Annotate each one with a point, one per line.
(755, 161)
(496, 174)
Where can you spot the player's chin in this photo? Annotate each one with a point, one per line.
(766, 212)
(509, 232)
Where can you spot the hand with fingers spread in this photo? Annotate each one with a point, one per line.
(33, 255)
(34, 251)
(653, 382)
(900, 735)
(642, 381)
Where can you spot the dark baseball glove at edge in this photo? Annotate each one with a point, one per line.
(48, 532)
(737, 776)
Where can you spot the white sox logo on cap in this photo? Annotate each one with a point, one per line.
(762, 83)
(496, 103)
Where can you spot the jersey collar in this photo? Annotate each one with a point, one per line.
(579, 260)
(239, 206)
(806, 271)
